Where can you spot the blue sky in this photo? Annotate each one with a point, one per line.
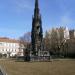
(16, 15)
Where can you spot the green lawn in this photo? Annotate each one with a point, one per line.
(62, 67)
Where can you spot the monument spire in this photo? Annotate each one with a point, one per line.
(36, 3)
(36, 10)
(36, 33)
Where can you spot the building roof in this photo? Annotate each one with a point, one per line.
(9, 40)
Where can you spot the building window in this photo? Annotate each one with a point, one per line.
(2, 49)
(1, 44)
(14, 44)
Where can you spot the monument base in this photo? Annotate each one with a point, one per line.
(42, 56)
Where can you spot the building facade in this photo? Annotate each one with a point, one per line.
(66, 33)
(10, 47)
(62, 32)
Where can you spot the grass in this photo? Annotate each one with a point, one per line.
(62, 67)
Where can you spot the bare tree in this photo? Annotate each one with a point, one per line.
(26, 37)
(25, 40)
(54, 40)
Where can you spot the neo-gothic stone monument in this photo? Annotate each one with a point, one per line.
(36, 33)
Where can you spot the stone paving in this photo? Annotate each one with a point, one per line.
(2, 72)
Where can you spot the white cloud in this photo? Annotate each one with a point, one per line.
(22, 5)
(16, 5)
(66, 19)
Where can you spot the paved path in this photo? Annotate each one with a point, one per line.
(1, 73)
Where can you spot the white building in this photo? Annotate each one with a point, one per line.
(62, 31)
(10, 46)
(66, 33)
